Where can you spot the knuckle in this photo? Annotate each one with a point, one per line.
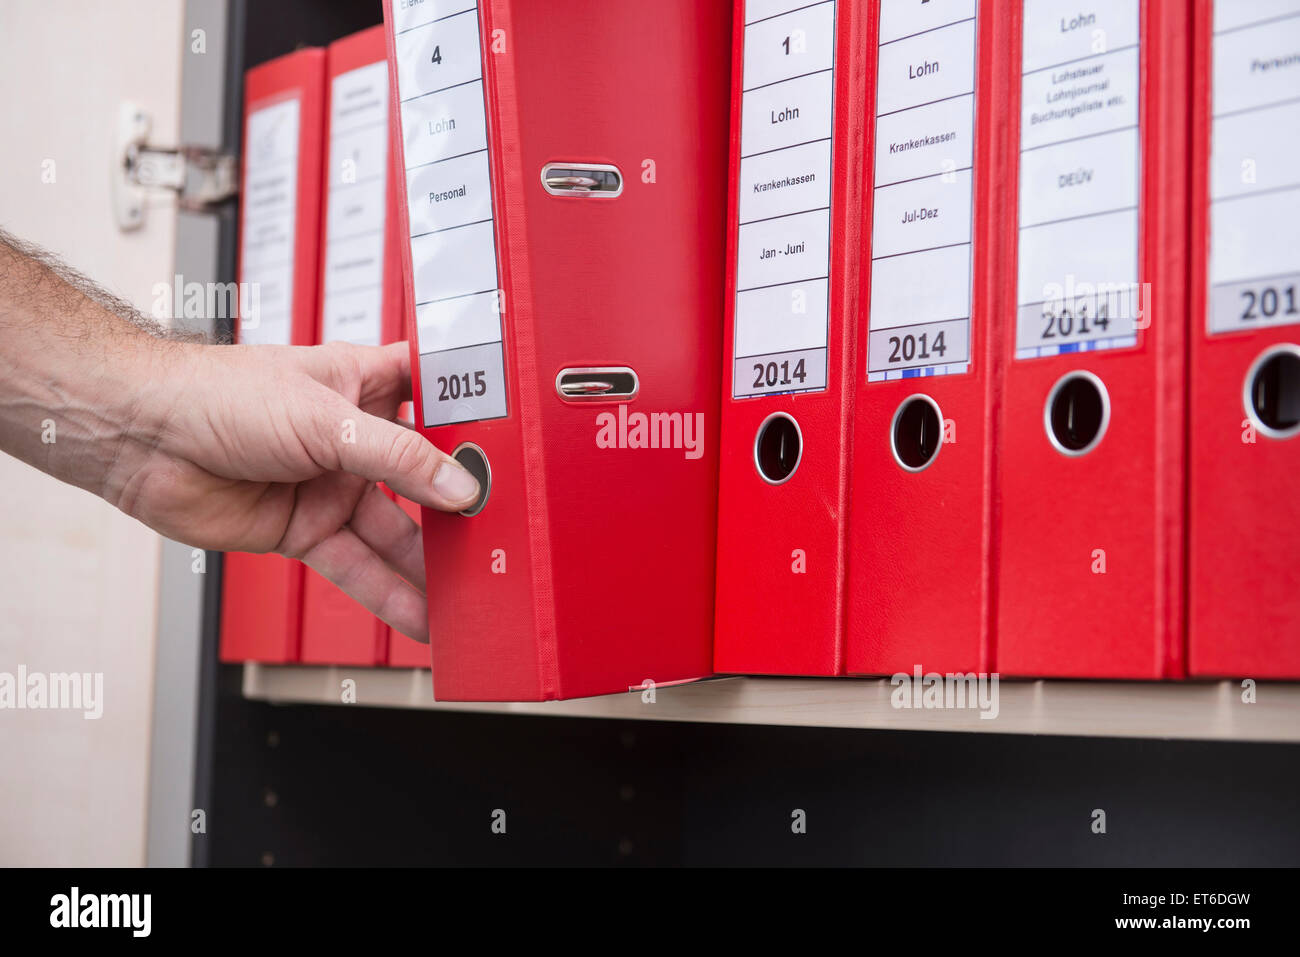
(325, 418)
(336, 365)
(346, 363)
(408, 452)
(386, 609)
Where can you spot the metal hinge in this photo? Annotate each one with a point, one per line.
(201, 178)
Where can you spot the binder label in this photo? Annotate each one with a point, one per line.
(458, 305)
(783, 250)
(1080, 178)
(922, 198)
(270, 210)
(356, 206)
(1254, 265)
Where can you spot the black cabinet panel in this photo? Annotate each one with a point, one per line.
(349, 785)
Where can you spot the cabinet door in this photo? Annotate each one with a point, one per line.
(78, 579)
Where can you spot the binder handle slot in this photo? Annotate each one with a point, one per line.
(778, 448)
(916, 433)
(1272, 392)
(474, 460)
(582, 179)
(1077, 413)
(597, 384)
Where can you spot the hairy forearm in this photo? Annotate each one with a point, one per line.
(81, 371)
(235, 447)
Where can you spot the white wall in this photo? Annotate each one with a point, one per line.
(78, 580)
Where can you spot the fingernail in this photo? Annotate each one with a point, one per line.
(454, 483)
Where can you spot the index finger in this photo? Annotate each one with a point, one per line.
(385, 371)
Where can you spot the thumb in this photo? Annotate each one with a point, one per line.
(401, 458)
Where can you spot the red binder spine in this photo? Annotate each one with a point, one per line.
(548, 239)
(261, 607)
(1091, 464)
(360, 291)
(920, 528)
(798, 98)
(402, 652)
(507, 614)
(1244, 407)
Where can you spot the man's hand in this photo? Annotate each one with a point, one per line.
(278, 449)
(241, 448)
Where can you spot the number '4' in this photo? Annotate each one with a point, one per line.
(437, 54)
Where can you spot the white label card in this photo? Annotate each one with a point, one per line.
(922, 196)
(458, 301)
(782, 309)
(269, 214)
(1254, 269)
(1080, 178)
(352, 310)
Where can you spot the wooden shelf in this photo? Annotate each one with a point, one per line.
(1185, 710)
